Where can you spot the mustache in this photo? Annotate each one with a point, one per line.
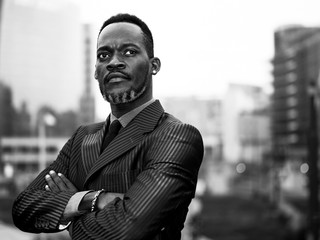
(114, 74)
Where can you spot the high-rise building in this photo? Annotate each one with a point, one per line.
(6, 111)
(87, 101)
(22, 123)
(295, 69)
(40, 52)
(1, 3)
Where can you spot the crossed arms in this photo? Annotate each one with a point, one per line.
(158, 197)
(59, 183)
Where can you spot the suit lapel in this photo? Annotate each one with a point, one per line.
(90, 148)
(128, 137)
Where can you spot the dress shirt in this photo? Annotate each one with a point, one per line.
(126, 118)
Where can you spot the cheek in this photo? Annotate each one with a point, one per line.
(142, 70)
(97, 73)
(100, 66)
(98, 76)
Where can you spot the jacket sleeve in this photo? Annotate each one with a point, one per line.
(36, 210)
(160, 195)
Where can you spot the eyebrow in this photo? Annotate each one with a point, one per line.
(124, 45)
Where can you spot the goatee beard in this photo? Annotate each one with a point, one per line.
(124, 97)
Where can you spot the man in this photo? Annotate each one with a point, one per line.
(140, 185)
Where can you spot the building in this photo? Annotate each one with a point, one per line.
(255, 135)
(1, 3)
(205, 115)
(6, 111)
(22, 123)
(13, 121)
(23, 158)
(87, 101)
(296, 65)
(40, 52)
(56, 124)
(245, 124)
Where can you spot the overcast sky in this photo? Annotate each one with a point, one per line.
(206, 44)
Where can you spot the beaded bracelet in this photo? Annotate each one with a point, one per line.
(95, 198)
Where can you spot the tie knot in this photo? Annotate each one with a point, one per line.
(111, 134)
(114, 126)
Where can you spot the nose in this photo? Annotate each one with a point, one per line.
(115, 64)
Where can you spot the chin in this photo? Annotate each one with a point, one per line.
(124, 97)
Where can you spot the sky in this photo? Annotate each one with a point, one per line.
(204, 45)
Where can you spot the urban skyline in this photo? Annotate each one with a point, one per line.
(211, 80)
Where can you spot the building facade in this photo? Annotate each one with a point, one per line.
(6, 111)
(40, 52)
(87, 100)
(296, 65)
(205, 114)
(23, 158)
(246, 124)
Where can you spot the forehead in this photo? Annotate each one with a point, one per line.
(123, 32)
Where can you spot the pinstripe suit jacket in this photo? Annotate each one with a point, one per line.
(154, 161)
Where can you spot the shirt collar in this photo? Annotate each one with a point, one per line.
(127, 118)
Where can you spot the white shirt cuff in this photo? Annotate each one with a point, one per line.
(72, 209)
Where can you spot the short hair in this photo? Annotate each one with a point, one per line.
(125, 17)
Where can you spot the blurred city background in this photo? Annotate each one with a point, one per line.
(245, 73)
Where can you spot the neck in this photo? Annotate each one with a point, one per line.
(120, 109)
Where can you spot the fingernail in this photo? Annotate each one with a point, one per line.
(59, 174)
(52, 172)
(47, 176)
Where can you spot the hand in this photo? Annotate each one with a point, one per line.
(58, 182)
(106, 197)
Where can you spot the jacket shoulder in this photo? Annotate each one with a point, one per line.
(91, 128)
(169, 121)
(84, 130)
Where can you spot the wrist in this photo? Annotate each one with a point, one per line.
(94, 201)
(86, 202)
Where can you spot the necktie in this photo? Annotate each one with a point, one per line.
(112, 132)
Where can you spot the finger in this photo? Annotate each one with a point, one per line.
(58, 181)
(51, 184)
(67, 182)
(47, 188)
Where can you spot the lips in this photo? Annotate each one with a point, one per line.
(116, 77)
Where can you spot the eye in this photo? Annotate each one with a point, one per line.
(130, 52)
(103, 56)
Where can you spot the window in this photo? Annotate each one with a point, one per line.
(292, 101)
(51, 149)
(291, 77)
(292, 114)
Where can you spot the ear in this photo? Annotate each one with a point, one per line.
(156, 65)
